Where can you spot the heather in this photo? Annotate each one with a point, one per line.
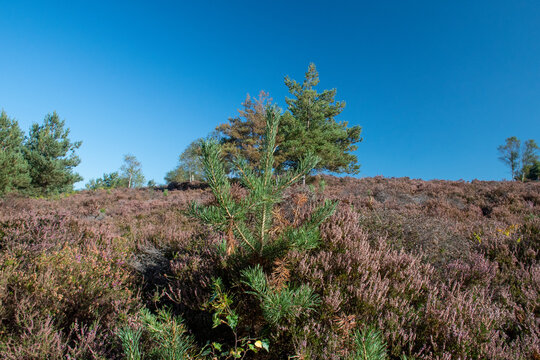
(419, 269)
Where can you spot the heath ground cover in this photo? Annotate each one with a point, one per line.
(425, 269)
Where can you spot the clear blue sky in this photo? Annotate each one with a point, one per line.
(436, 85)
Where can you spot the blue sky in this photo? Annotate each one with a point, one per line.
(436, 85)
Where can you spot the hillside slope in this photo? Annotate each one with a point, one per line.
(444, 269)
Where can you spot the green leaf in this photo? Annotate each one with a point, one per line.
(216, 320)
(232, 320)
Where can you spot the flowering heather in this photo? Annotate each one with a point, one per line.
(442, 269)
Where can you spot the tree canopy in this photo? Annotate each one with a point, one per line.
(529, 158)
(509, 154)
(14, 172)
(534, 171)
(51, 156)
(189, 166)
(309, 126)
(131, 171)
(514, 156)
(243, 135)
(107, 181)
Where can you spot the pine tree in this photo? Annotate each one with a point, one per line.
(369, 345)
(13, 166)
(248, 222)
(51, 157)
(529, 157)
(310, 127)
(243, 136)
(534, 171)
(265, 191)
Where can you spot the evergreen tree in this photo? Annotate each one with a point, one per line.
(131, 171)
(252, 246)
(265, 191)
(51, 156)
(309, 126)
(529, 157)
(243, 136)
(13, 166)
(534, 171)
(369, 344)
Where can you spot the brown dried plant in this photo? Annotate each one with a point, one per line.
(280, 222)
(345, 324)
(281, 274)
(231, 240)
(299, 201)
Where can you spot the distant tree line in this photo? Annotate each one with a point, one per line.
(189, 165)
(129, 176)
(522, 160)
(308, 125)
(40, 163)
(43, 162)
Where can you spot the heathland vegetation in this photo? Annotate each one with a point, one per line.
(244, 255)
(437, 269)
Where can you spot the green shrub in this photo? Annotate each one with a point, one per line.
(265, 190)
(369, 344)
(278, 305)
(130, 339)
(160, 336)
(254, 248)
